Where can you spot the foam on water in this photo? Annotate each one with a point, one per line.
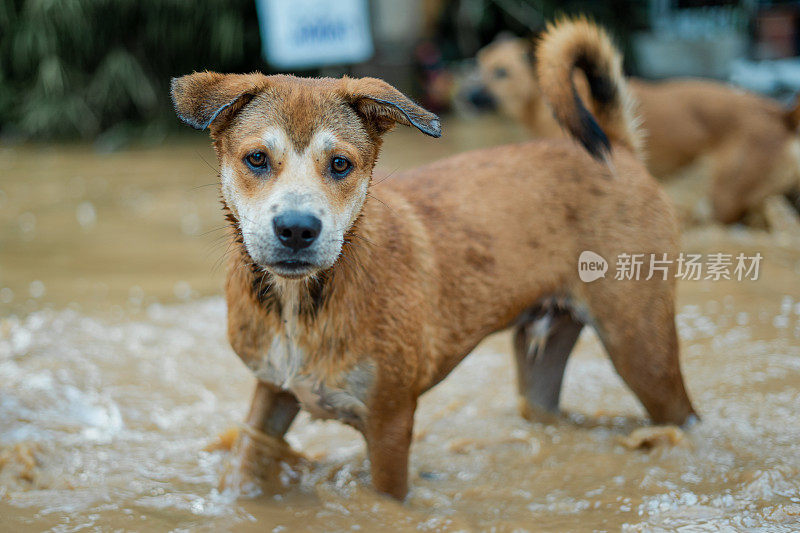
(116, 414)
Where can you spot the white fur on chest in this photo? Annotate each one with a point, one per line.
(343, 397)
(285, 359)
(282, 363)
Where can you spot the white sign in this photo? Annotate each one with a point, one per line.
(314, 33)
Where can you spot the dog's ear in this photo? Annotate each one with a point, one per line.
(384, 106)
(203, 98)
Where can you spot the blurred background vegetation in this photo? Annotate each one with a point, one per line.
(100, 69)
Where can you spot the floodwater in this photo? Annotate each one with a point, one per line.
(116, 379)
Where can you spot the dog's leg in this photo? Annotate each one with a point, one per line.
(272, 410)
(388, 434)
(260, 449)
(781, 216)
(640, 337)
(742, 178)
(541, 348)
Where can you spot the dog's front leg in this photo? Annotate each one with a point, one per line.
(260, 449)
(388, 434)
(272, 410)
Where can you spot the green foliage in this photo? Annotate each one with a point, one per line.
(83, 68)
(101, 68)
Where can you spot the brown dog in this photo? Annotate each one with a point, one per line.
(351, 308)
(746, 146)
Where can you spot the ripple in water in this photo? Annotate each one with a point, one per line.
(104, 423)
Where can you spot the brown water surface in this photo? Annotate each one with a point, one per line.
(115, 375)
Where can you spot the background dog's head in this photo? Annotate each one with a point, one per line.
(507, 72)
(296, 156)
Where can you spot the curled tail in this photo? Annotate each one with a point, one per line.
(571, 44)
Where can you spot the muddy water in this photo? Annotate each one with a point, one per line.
(115, 377)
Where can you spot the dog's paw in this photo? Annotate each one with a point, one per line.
(225, 441)
(260, 464)
(653, 437)
(536, 414)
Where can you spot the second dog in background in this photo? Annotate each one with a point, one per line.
(744, 148)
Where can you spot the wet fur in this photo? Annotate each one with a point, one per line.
(579, 44)
(448, 254)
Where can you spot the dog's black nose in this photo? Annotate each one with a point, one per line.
(296, 230)
(481, 99)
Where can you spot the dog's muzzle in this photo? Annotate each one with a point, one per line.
(296, 230)
(481, 99)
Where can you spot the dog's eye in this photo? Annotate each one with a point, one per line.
(500, 73)
(257, 160)
(340, 167)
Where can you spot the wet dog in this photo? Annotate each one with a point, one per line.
(745, 147)
(351, 308)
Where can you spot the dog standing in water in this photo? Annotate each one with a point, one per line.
(352, 308)
(746, 147)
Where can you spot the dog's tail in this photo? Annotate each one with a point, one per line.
(793, 115)
(571, 44)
